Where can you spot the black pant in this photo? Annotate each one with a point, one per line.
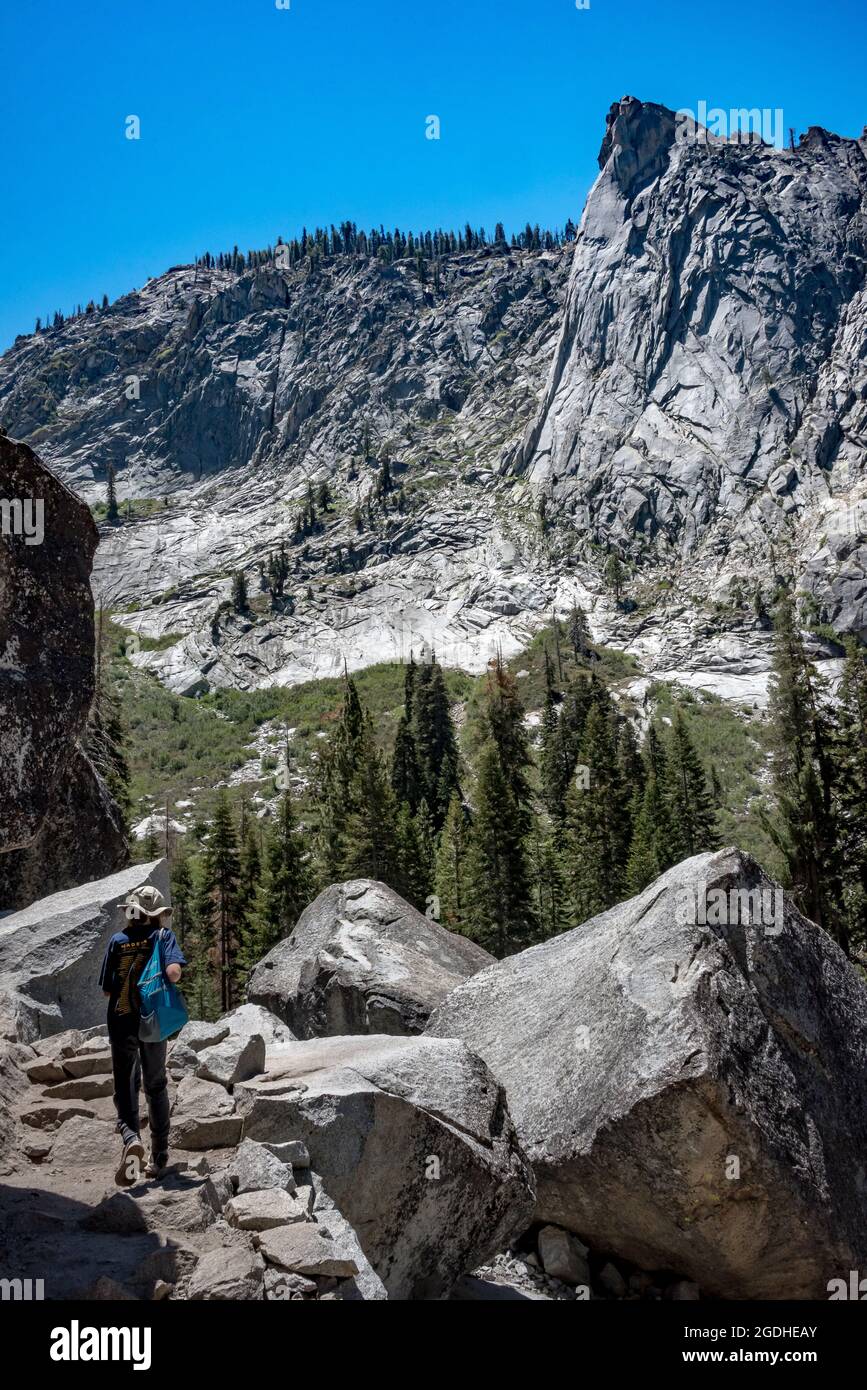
(132, 1062)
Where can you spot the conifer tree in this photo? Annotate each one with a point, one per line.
(690, 803)
(450, 874)
(499, 913)
(596, 821)
(371, 830)
(552, 908)
(239, 591)
(802, 776)
(338, 769)
(219, 894)
(105, 739)
(201, 975)
(579, 634)
(287, 885)
(404, 767)
(433, 731)
(247, 901)
(412, 863)
(112, 513)
(851, 761)
(182, 892)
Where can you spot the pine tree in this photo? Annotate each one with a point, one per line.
(851, 761)
(650, 851)
(202, 974)
(412, 859)
(247, 900)
(499, 913)
(182, 892)
(596, 821)
(105, 738)
(219, 894)
(805, 828)
(503, 718)
(287, 887)
(371, 830)
(433, 731)
(579, 634)
(552, 909)
(405, 780)
(239, 592)
(691, 807)
(111, 495)
(450, 873)
(338, 769)
(614, 574)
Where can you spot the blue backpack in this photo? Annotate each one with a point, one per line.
(163, 1011)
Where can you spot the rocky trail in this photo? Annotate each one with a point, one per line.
(647, 1107)
(227, 1220)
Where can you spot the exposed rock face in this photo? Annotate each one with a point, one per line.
(362, 960)
(707, 395)
(47, 543)
(691, 1097)
(704, 400)
(50, 953)
(411, 1139)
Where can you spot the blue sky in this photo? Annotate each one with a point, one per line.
(256, 120)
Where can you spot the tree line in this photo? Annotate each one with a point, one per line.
(325, 243)
(530, 835)
(526, 842)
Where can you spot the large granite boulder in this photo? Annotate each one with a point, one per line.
(47, 543)
(50, 953)
(413, 1142)
(361, 960)
(691, 1092)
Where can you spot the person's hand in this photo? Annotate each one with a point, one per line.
(173, 973)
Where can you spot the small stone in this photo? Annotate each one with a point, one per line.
(51, 1116)
(234, 1060)
(684, 1291)
(90, 1064)
(255, 1167)
(563, 1256)
(262, 1211)
(161, 1290)
(293, 1151)
(304, 1249)
(230, 1273)
(81, 1088)
(612, 1281)
(44, 1072)
(197, 1034)
(36, 1149)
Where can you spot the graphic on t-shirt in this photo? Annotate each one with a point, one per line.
(130, 960)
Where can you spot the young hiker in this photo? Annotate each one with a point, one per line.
(126, 956)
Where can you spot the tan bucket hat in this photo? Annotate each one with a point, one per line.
(146, 902)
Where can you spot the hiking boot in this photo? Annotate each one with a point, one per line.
(157, 1165)
(128, 1171)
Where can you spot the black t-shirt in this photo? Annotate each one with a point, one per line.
(126, 956)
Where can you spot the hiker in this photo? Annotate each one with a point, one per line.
(133, 1060)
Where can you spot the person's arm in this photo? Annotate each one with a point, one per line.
(105, 974)
(173, 957)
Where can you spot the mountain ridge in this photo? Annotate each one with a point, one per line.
(685, 386)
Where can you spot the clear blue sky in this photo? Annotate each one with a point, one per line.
(256, 120)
